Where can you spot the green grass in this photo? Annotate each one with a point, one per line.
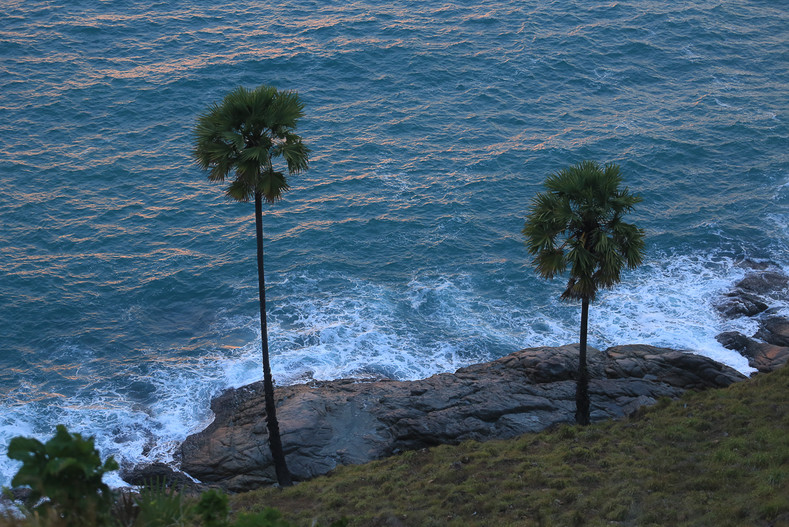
(716, 458)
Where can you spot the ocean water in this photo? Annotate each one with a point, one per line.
(127, 281)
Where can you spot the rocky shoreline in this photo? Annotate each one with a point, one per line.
(751, 298)
(325, 424)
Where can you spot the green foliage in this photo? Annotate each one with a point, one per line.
(267, 518)
(243, 135)
(125, 510)
(578, 224)
(68, 471)
(213, 509)
(160, 506)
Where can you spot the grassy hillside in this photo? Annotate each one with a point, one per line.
(714, 458)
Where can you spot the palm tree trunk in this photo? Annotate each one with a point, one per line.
(582, 403)
(275, 442)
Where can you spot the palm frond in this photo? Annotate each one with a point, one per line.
(245, 134)
(272, 185)
(550, 262)
(582, 212)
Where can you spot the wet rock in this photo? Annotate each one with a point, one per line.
(734, 340)
(158, 474)
(325, 424)
(756, 265)
(768, 282)
(22, 494)
(774, 330)
(766, 357)
(752, 295)
(768, 348)
(740, 303)
(11, 498)
(763, 356)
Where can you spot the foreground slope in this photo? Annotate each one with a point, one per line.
(718, 457)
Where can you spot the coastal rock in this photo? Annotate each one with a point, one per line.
(763, 283)
(764, 356)
(325, 424)
(768, 348)
(767, 282)
(736, 341)
(741, 303)
(158, 474)
(774, 330)
(756, 265)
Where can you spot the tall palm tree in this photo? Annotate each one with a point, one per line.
(578, 224)
(242, 136)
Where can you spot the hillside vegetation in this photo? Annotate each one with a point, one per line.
(714, 458)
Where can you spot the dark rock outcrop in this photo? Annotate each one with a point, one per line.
(734, 340)
(768, 348)
(159, 474)
(739, 303)
(325, 424)
(763, 283)
(774, 330)
(764, 356)
(767, 282)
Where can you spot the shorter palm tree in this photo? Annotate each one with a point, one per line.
(242, 136)
(578, 224)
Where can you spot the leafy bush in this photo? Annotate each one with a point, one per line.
(267, 518)
(213, 508)
(159, 506)
(67, 470)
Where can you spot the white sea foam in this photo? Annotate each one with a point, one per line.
(365, 330)
(432, 324)
(668, 302)
(375, 329)
(132, 431)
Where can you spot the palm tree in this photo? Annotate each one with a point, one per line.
(578, 223)
(242, 136)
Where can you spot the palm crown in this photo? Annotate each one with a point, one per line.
(578, 223)
(244, 133)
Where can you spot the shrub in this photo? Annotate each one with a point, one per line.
(213, 508)
(159, 506)
(67, 469)
(267, 518)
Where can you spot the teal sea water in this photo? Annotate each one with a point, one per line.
(127, 281)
